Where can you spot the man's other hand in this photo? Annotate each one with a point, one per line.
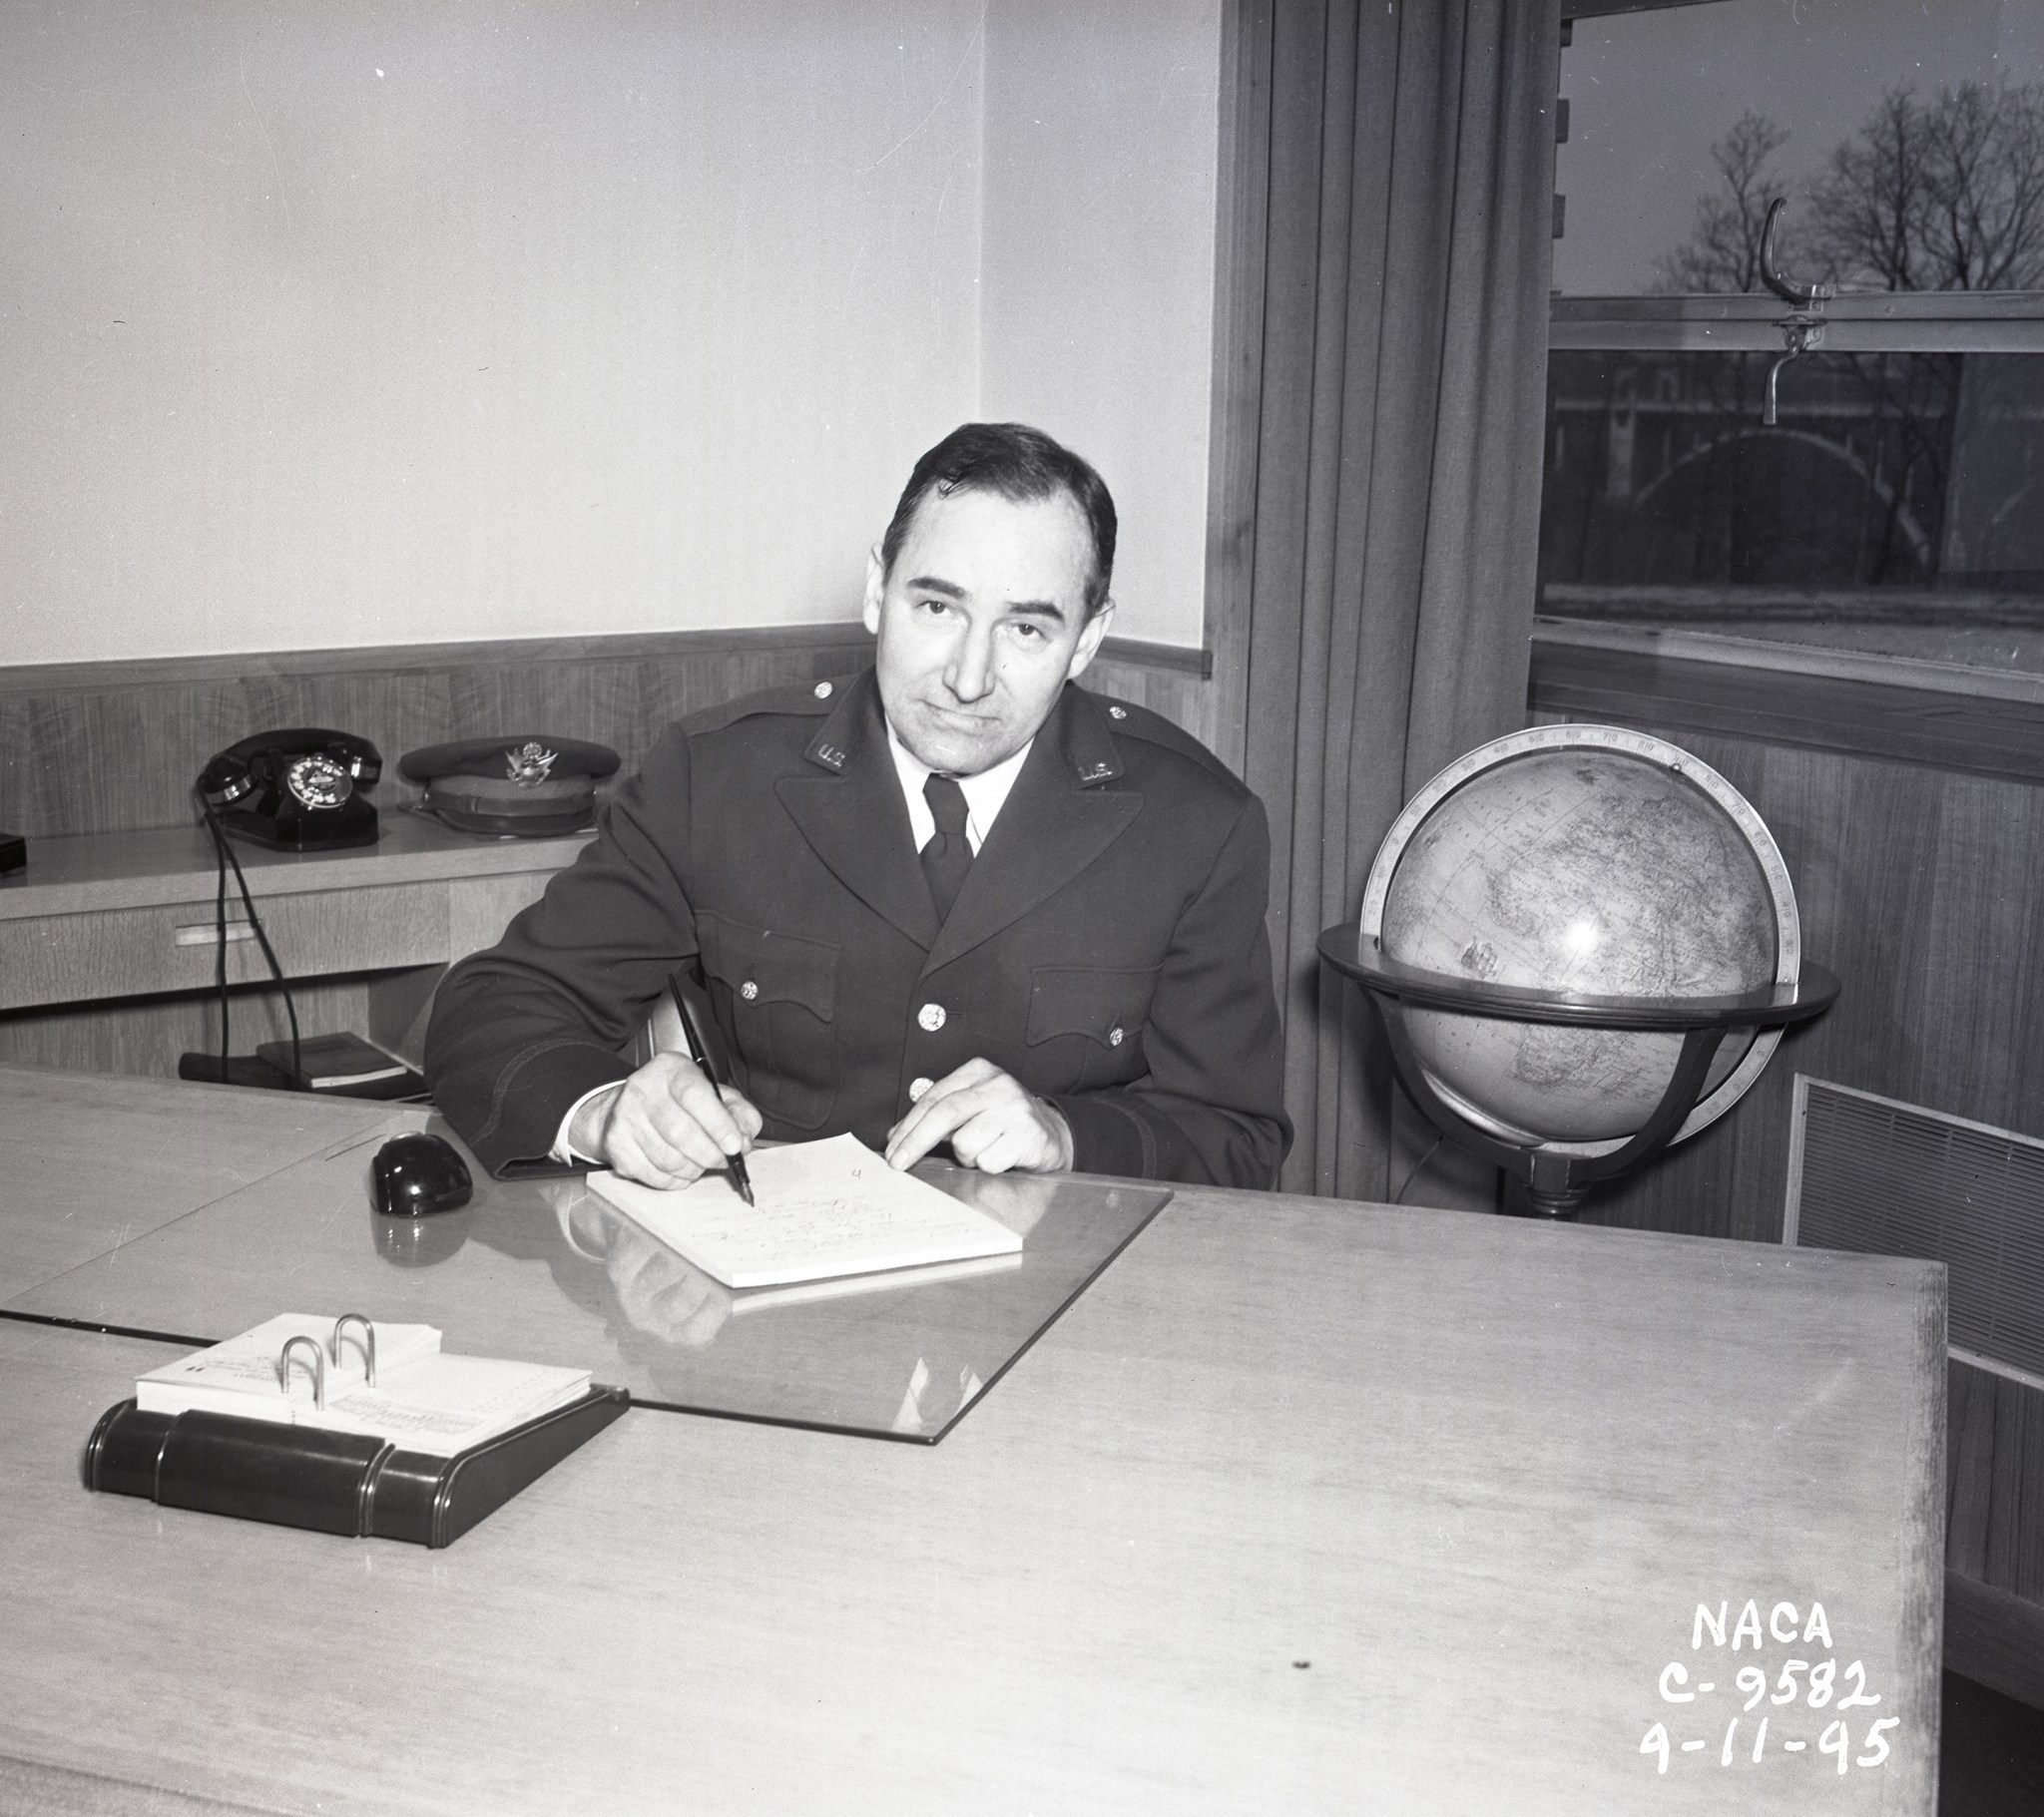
(665, 1125)
(990, 1120)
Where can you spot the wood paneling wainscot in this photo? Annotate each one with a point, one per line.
(94, 752)
(109, 746)
(1924, 889)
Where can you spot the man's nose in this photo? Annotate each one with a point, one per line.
(970, 672)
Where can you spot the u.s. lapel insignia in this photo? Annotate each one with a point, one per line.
(529, 763)
(830, 755)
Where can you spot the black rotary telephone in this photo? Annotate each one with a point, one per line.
(295, 791)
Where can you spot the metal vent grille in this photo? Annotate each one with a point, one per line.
(1870, 1174)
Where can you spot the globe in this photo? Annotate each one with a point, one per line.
(1593, 860)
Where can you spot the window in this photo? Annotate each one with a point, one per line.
(1881, 491)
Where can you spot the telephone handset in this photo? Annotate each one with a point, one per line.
(295, 791)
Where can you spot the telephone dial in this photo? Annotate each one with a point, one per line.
(295, 791)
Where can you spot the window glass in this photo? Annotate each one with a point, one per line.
(1882, 491)
(1683, 121)
(1897, 506)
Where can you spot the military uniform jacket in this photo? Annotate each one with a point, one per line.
(1107, 947)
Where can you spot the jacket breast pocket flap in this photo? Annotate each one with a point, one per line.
(780, 992)
(760, 967)
(1105, 1005)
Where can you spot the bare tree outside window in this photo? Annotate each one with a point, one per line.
(1723, 252)
(1940, 194)
(1943, 195)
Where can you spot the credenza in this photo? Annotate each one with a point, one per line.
(132, 918)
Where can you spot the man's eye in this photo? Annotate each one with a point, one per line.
(1028, 633)
(934, 607)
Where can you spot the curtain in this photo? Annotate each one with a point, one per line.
(1392, 491)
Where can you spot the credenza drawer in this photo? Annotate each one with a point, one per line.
(82, 957)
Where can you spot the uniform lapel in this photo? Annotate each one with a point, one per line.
(849, 809)
(1056, 821)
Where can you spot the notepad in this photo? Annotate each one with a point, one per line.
(421, 1398)
(889, 1281)
(824, 1210)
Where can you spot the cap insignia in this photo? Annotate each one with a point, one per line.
(529, 764)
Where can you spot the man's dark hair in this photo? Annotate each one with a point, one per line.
(1022, 465)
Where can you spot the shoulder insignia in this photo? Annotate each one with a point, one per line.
(1129, 721)
(796, 700)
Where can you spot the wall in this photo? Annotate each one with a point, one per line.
(1097, 267)
(1910, 812)
(1923, 890)
(336, 323)
(109, 747)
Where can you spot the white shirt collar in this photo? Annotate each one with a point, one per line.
(984, 794)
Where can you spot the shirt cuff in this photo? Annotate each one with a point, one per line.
(563, 1150)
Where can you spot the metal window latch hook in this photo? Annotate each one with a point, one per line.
(1802, 329)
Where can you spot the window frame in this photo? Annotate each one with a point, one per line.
(1955, 715)
(1884, 322)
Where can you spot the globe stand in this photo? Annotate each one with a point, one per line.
(1557, 1176)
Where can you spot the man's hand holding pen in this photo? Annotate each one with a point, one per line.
(666, 1125)
(700, 1032)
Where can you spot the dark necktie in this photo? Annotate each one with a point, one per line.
(947, 857)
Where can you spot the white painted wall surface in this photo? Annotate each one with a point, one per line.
(1097, 268)
(339, 322)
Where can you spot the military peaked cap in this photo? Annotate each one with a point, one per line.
(523, 784)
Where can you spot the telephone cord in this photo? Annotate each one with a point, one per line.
(226, 855)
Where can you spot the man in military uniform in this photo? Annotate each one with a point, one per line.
(954, 899)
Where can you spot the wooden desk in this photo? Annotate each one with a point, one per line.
(550, 1272)
(150, 1156)
(1303, 1506)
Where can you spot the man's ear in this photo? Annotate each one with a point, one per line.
(1088, 645)
(876, 586)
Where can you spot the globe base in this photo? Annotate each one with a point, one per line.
(1556, 1183)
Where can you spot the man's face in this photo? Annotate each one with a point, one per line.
(981, 623)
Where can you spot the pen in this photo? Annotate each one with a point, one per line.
(698, 1042)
